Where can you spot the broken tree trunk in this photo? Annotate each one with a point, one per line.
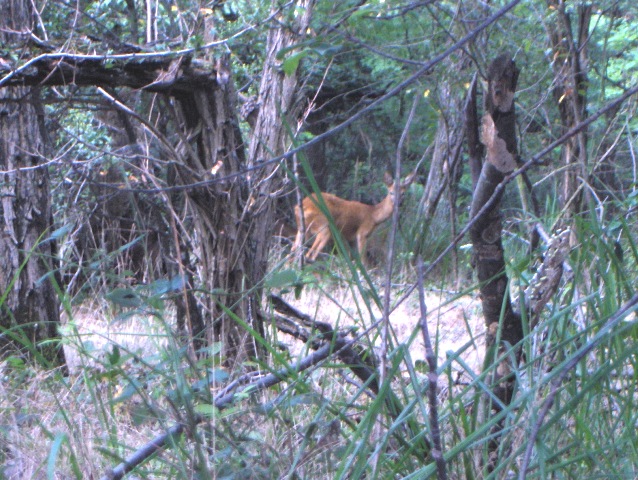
(498, 135)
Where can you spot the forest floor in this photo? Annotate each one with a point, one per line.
(99, 336)
(455, 325)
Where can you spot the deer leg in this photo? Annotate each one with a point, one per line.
(362, 241)
(322, 239)
(297, 243)
(299, 235)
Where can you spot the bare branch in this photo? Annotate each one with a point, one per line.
(433, 379)
(221, 401)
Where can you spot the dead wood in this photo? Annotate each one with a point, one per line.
(222, 400)
(173, 75)
(362, 363)
(504, 325)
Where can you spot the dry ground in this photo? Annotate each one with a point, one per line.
(31, 413)
(454, 322)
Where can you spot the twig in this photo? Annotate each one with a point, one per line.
(120, 106)
(77, 57)
(433, 379)
(349, 121)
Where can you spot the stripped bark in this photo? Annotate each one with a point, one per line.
(504, 327)
(498, 136)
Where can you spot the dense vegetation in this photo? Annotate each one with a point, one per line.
(152, 155)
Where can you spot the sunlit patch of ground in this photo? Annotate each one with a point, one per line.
(94, 330)
(455, 323)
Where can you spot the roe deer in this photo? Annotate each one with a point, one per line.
(354, 220)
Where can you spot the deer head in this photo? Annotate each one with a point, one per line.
(355, 221)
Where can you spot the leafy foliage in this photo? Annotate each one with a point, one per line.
(322, 422)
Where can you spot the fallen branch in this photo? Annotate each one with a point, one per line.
(346, 350)
(220, 401)
(354, 356)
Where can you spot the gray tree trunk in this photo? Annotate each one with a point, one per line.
(29, 310)
(278, 112)
(570, 93)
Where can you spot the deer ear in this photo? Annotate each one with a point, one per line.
(387, 179)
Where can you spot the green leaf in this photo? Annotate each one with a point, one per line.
(290, 64)
(58, 233)
(128, 391)
(125, 297)
(282, 278)
(141, 414)
(207, 410)
(53, 454)
(327, 49)
(114, 356)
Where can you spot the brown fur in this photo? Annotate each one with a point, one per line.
(354, 220)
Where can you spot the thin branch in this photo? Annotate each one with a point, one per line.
(352, 119)
(64, 56)
(120, 106)
(433, 379)
(221, 401)
(385, 325)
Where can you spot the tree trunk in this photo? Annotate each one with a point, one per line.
(29, 313)
(279, 110)
(435, 208)
(570, 93)
(223, 261)
(498, 135)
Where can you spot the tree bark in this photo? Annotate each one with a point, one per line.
(29, 313)
(208, 147)
(498, 135)
(278, 112)
(232, 227)
(570, 93)
(444, 172)
(223, 262)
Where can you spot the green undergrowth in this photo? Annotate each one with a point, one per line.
(131, 377)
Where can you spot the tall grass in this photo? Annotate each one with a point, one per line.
(132, 378)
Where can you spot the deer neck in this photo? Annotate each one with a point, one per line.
(383, 210)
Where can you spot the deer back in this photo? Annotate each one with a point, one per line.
(354, 220)
(349, 216)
